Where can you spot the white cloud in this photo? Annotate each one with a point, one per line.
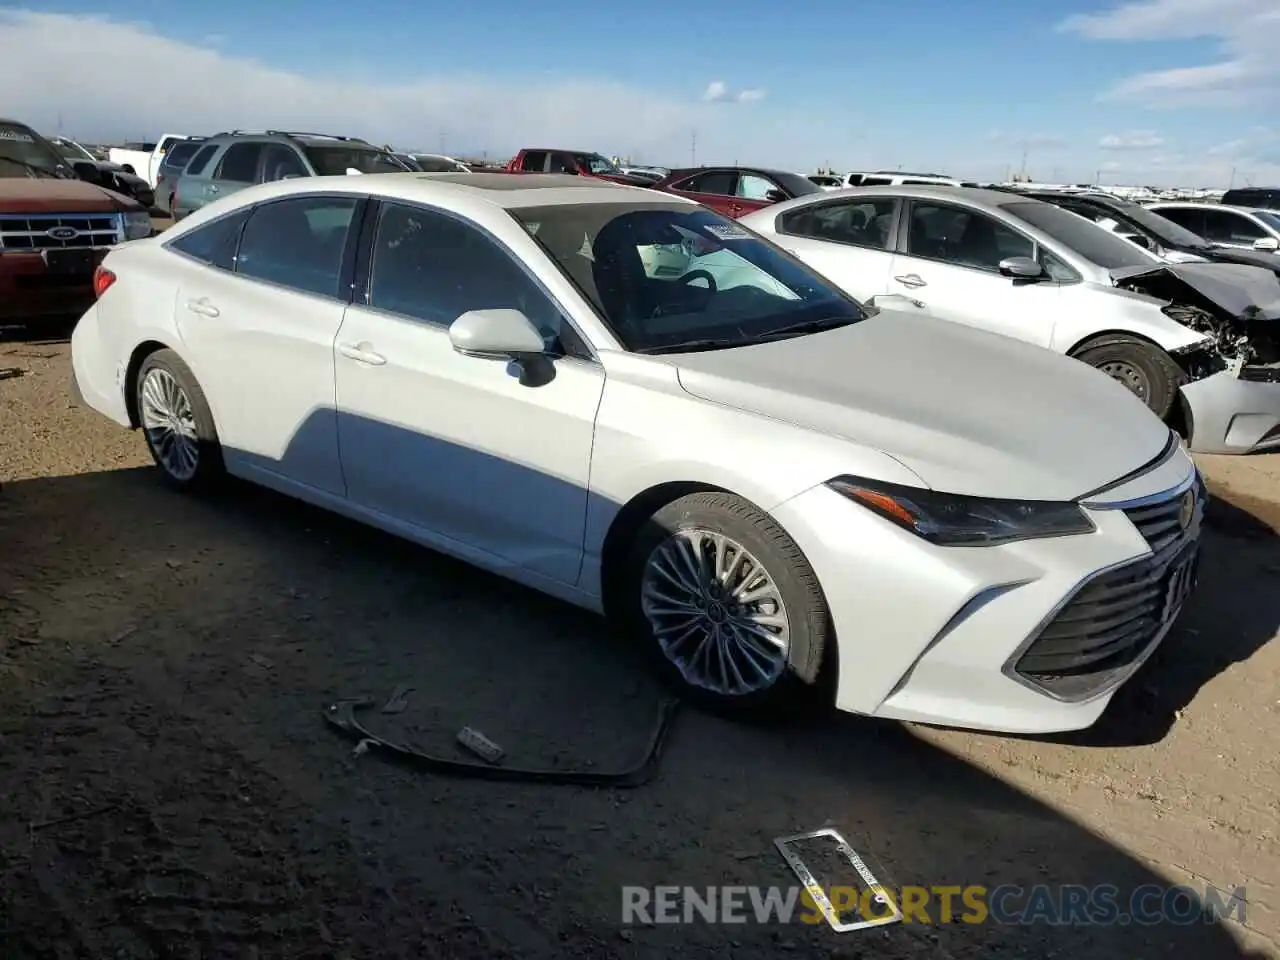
(1246, 73)
(1134, 140)
(52, 69)
(718, 92)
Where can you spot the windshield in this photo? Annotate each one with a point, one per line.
(72, 151)
(670, 277)
(1164, 230)
(594, 163)
(1081, 236)
(24, 153)
(1270, 217)
(335, 161)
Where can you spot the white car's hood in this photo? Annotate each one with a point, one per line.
(967, 411)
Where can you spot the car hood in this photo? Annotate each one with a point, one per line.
(969, 412)
(29, 195)
(1237, 290)
(1254, 258)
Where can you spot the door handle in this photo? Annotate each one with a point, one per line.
(911, 281)
(203, 307)
(362, 353)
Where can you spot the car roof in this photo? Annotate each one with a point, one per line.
(460, 190)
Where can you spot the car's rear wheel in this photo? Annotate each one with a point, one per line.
(1146, 370)
(175, 419)
(728, 603)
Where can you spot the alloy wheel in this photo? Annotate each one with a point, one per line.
(169, 422)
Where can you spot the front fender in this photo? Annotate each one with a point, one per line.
(1120, 312)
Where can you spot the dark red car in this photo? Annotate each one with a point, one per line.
(736, 191)
(581, 163)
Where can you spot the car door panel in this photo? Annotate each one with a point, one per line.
(948, 270)
(451, 443)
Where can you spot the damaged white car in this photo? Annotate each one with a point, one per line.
(1198, 343)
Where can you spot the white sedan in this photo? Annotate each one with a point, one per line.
(782, 492)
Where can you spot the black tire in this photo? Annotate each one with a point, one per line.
(808, 616)
(1144, 368)
(209, 465)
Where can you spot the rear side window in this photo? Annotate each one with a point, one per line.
(860, 223)
(180, 154)
(200, 160)
(717, 182)
(168, 142)
(298, 243)
(215, 242)
(240, 163)
(534, 161)
(875, 182)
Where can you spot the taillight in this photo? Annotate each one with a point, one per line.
(102, 280)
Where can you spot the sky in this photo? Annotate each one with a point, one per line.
(1155, 92)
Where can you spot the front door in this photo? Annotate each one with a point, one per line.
(949, 267)
(454, 444)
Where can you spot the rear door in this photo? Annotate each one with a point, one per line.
(848, 241)
(187, 191)
(948, 267)
(711, 188)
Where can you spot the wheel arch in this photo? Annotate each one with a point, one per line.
(136, 359)
(1103, 337)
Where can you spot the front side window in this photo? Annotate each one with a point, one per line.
(279, 161)
(1075, 233)
(334, 161)
(751, 186)
(667, 277)
(1221, 226)
(861, 223)
(964, 237)
(298, 243)
(595, 164)
(434, 268)
(200, 161)
(213, 243)
(240, 163)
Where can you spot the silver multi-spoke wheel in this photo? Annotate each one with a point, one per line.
(716, 612)
(167, 417)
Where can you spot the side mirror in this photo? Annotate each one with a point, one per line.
(1021, 268)
(496, 335)
(776, 196)
(1266, 244)
(87, 171)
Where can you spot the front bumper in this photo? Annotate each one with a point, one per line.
(30, 290)
(1030, 637)
(1230, 415)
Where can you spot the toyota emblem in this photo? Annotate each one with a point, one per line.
(62, 233)
(1186, 509)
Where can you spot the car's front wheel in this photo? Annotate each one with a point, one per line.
(1148, 372)
(175, 419)
(728, 602)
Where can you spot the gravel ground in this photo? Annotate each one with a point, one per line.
(171, 790)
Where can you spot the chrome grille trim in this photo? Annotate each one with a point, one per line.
(1112, 622)
(94, 231)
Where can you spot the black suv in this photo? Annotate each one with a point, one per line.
(227, 162)
(1266, 198)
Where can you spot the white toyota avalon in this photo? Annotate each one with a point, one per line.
(625, 400)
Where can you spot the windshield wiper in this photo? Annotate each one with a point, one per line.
(688, 346)
(806, 326)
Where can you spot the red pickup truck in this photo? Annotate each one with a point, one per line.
(580, 163)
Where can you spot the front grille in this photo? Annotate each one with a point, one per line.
(1112, 619)
(92, 231)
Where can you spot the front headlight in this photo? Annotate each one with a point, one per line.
(952, 520)
(137, 225)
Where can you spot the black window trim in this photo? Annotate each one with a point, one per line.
(890, 248)
(904, 228)
(362, 273)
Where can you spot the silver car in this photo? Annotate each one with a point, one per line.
(1195, 341)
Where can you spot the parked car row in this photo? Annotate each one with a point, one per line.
(620, 397)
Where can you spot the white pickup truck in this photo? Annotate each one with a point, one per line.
(144, 159)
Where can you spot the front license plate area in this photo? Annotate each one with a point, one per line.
(69, 262)
(1179, 581)
(823, 861)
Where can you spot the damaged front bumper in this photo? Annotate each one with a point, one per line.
(1229, 414)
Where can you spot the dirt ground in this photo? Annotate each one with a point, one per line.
(170, 788)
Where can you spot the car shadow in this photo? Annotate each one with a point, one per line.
(45, 332)
(246, 612)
